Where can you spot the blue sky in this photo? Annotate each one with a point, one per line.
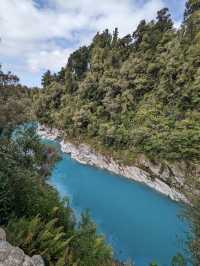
(37, 35)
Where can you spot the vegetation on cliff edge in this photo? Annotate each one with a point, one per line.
(130, 95)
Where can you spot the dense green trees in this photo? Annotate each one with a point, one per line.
(191, 7)
(14, 98)
(192, 21)
(139, 94)
(35, 218)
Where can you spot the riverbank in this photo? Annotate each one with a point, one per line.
(86, 155)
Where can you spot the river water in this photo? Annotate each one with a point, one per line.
(138, 222)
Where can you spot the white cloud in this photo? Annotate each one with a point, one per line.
(48, 60)
(31, 35)
(124, 14)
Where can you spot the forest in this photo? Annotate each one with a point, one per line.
(139, 94)
(132, 95)
(31, 211)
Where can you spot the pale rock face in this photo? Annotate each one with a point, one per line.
(52, 134)
(139, 173)
(28, 261)
(37, 260)
(2, 235)
(14, 256)
(5, 249)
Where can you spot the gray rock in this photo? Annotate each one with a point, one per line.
(5, 249)
(2, 235)
(28, 261)
(14, 256)
(38, 261)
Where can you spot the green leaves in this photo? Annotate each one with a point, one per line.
(36, 236)
(15, 103)
(32, 212)
(191, 7)
(178, 260)
(90, 248)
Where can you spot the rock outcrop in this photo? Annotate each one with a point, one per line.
(14, 256)
(163, 177)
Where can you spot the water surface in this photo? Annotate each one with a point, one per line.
(138, 222)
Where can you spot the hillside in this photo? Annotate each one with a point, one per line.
(135, 95)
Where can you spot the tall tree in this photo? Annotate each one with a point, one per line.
(191, 7)
(115, 37)
(164, 21)
(138, 34)
(191, 20)
(47, 78)
(78, 62)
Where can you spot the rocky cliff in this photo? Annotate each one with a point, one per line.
(164, 177)
(14, 256)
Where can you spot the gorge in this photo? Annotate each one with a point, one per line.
(139, 223)
(100, 158)
(155, 177)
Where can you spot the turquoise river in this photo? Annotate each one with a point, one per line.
(138, 222)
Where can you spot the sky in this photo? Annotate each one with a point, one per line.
(36, 35)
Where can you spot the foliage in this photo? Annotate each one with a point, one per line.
(48, 224)
(35, 235)
(14, 98)
(90, 249)
(136, 94)
(82, 247)
(153, 264)
(24, 164)
(178, 260)
(36, 219)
